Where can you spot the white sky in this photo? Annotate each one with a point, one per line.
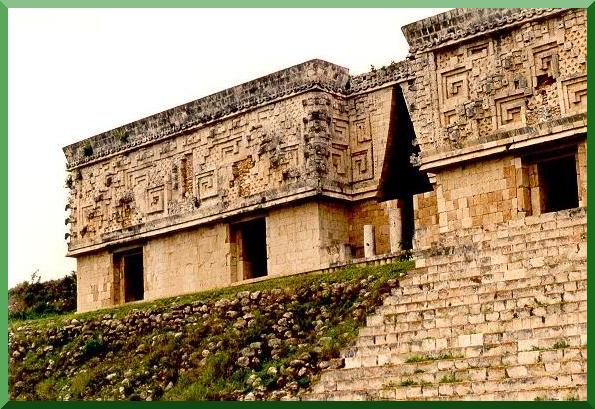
(74, 73)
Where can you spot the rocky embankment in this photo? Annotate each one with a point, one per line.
(267, 340)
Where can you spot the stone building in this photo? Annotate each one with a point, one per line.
(481, 128)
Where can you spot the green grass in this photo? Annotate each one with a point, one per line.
(46, 389)
(173, 355)
(423, 358)
(80, 382)
(560, 344)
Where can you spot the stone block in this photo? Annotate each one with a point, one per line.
(517, 372)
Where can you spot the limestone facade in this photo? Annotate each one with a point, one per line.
(489, 103)
(286, 173)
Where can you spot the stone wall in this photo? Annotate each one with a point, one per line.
(293, 239)
(496, 308)
(215, 170)
(202, 166)
(311, 75)
(367, 118)
(334, 245)
(308, 147)
(94, 281)
(173, 264)
(307, 236)
(581, 170)
(425, 210)
(186, 262)
(481, 194)
(505, 85)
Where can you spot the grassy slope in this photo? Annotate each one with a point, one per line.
(262, 340)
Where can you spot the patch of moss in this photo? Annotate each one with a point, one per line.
(423, 358)
(561, 344)
(450, 378)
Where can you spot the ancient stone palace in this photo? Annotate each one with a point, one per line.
(480, 134)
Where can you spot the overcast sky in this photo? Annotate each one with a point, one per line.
(74, 73)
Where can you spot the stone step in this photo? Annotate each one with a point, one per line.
(485, 324)
(508, 389)
(479, 368)
(461, 336)
(383, 354)
(508, 280)
(535, 267)
(502, 312)
(555, 243)
(504, 239)
(492, 294)
(550, 357)
(463, 277)
(436, 371)
(454, 375)
(470, 294)
(538, 304)
(489, 391)
(563, 243)
(506, 320)
(337, 396)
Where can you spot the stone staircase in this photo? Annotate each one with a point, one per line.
(500, 315)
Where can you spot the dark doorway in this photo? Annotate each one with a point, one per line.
(407, 223)
(558, 184)
(132, 268)
(252, 247)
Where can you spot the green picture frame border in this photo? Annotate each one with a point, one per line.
(6, 4)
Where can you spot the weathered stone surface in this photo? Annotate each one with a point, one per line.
(518, 355)
(497, 306)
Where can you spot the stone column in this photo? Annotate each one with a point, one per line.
(369, 245)
(395, 229)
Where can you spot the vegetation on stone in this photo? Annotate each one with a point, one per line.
(423, 358)
(266, 340)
